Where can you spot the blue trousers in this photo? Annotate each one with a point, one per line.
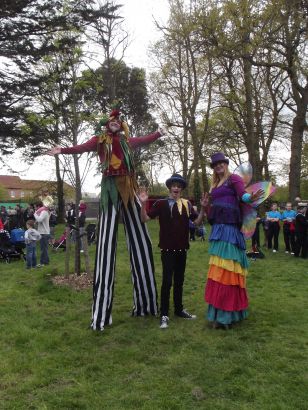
(31, 254)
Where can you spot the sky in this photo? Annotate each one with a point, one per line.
(139, 22)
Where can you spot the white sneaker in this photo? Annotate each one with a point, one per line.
(292, 253)
(164, 322)
(274, 251)
(286, 251)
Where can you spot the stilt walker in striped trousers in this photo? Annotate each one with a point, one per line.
(118, 195)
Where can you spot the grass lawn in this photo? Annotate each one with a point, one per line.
(50, 359)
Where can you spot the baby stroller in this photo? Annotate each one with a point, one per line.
(255, 253)
(91, 229)
(18, 240)
(8, 251)
(60, 243)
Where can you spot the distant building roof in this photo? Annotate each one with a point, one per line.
(10, 181)
(15, 182)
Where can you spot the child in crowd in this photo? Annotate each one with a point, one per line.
(301, 229)
(288, 218)
(192, 230)
(201, 232)
(70, 216)
(273, 217)
(31, 237)
(173, 213)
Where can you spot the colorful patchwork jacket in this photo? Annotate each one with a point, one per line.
(115, 155)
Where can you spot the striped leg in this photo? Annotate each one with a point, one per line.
(104, 270)
(141, 259)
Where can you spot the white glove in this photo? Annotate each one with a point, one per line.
(162, 131)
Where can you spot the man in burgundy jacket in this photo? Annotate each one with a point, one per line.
(118, 195)
(173, 215)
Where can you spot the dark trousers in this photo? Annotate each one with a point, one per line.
(273, 232)
(44, 241)
(192, 233)
(265, 231)
(301, 244)
(255, 239)
(289, 238)
(174, 264)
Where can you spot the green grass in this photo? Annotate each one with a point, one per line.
(50, 359)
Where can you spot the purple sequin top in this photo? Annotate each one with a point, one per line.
(225, 202)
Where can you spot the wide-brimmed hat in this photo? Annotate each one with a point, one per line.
(47, 201)
(176, 178)
(218, 157)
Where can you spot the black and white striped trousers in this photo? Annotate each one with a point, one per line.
(141, 261)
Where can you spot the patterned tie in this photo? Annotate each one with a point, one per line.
(180, 203)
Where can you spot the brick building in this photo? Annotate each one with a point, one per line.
(18, 189)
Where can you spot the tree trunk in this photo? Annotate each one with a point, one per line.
(252, 142)
(77, 201)
(298, 127)
(60, 193)
(67, 251)
(86, 253)
(195, 141)
(204, 178)
(185, 154)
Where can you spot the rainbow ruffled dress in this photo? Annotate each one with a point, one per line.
(225, 290)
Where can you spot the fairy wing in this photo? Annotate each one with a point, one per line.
(244, 170)
(266, 186)
(249, 212)
(249, 215)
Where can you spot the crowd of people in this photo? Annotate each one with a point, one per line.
(38, 222)
(292, 220)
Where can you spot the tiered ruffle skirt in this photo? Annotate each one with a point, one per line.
(225, 290)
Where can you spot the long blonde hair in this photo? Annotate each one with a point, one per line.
(216, 181)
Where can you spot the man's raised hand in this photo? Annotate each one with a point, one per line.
(162, 131)
(54, 151)
(143, 195)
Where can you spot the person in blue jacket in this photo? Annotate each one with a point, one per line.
(273, 218)
(288, 218)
